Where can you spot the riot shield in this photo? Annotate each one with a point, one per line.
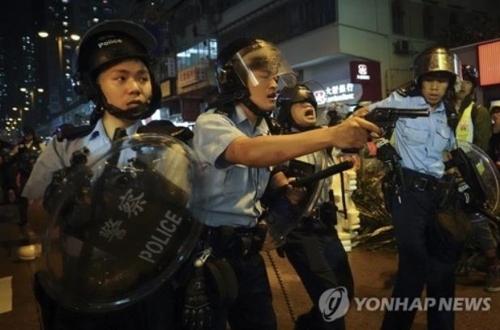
(280, 218)
(124, 222)
(488, 177)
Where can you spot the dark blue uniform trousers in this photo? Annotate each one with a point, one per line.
(320, 260)
(427, 257)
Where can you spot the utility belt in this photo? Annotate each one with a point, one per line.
(236, 242)
(321, 220)
(417, 181)
(441, 189)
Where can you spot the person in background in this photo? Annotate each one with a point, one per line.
(113, 70)
(313, 247)
(4, 162)
(21, 160)
(427, 253)
(234, 138)
(474, 126)
(494, 143)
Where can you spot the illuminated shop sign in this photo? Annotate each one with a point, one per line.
(489, 65)
(364, 71)
(344, 92)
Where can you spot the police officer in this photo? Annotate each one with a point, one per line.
(474, 126)
(113, 70)
(233, 137)
(21, 159)
(313, 247)
(427, 255)
(5, 148)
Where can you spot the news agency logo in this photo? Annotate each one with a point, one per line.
(333, 303)
(457, 304)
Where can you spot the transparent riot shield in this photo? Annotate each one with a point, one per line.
(280, 219)
(124, 221)
(487, 173)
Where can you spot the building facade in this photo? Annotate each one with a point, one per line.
(357, 50)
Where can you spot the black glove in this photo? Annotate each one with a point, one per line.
(74, 180)
(196, 314)
(387, 154)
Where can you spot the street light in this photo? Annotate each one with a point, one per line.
(32, 95)
(60, 44)
(31, 92)
(60, 47)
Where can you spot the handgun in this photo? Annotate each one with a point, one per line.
(386, 118)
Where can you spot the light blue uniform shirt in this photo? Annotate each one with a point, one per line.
(57, 155)
(233, 189)
(322, 160)
(420, 141)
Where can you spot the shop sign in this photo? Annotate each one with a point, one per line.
(344, 92)
(363, 72)
(167, 88)
(191, 76)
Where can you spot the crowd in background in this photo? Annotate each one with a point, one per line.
(16, 164)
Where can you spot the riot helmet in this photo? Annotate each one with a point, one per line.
(439, 61)
(289, 96)
(470, 73)
(105, 45)
(235, 65)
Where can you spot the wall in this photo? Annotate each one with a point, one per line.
(334, 43)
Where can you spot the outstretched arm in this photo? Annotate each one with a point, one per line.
(272, 150)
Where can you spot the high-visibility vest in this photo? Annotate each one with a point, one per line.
(465, 128)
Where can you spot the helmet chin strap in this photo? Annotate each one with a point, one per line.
(253, 107)
(132, 114)
(303, 128)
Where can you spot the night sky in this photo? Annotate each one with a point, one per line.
(17, 17)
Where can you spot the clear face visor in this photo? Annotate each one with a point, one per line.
(265, 58)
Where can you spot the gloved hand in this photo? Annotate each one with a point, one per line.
(386, 152)
(197, 314)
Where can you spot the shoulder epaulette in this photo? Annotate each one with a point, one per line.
(408, 89)
(402, 91)
(226, 110)
(70, 132)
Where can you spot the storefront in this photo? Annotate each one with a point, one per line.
(185, 96)
(345, 84)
